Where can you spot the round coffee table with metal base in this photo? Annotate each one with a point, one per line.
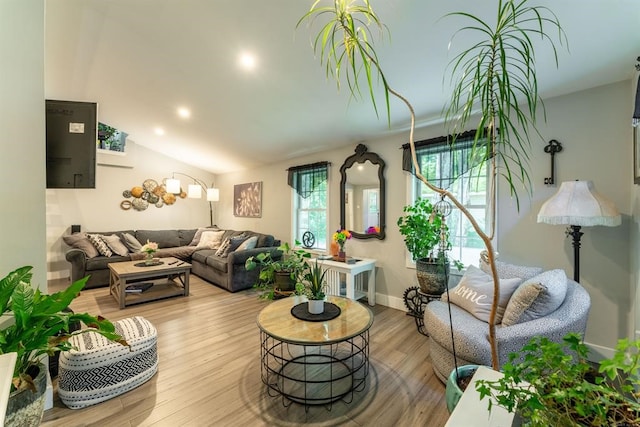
(314, 363)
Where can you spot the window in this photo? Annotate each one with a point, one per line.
(456, 169)
(310, 201)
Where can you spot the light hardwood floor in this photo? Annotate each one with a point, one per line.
(209, 370)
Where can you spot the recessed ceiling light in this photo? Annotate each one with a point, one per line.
(247, 61)
(159, 131)
(184, 112)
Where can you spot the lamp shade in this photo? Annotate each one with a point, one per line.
(173, 185)
(213, 194)
(195, 191)
(577, 203)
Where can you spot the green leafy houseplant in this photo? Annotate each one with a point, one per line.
(564, 389)
(314, 284)
(494, 83)
(39, 324)
(291, 265)
(422, 228)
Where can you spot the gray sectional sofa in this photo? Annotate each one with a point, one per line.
(227, 272)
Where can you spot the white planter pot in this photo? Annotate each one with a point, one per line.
(316, 306)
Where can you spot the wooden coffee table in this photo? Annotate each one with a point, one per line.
(163, 277)
(315, 363)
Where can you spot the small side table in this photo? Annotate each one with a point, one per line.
(415, 300)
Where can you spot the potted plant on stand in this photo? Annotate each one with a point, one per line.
(494, 84)
(38, 326)
(313, 287)
(426, 237)
(279, 275)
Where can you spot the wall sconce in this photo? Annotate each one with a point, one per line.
(577, 204)
(194, 190)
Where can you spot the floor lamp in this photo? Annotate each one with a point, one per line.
(194, 190)
(578, 205)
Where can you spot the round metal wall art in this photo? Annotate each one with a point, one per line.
(149, 193)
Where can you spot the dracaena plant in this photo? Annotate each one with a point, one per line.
(494, 82)
(39, 325)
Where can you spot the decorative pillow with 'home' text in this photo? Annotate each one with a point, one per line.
(474, 293)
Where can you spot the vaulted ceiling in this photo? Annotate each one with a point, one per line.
(141, 60)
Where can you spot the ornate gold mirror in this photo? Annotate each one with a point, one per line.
(362, 195)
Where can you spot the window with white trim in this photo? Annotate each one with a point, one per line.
(456, 168)
(310, 202)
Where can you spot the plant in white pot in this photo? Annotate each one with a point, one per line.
(39, 326)
(494, 84)
(313, 287)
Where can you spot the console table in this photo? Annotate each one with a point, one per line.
(354, 283)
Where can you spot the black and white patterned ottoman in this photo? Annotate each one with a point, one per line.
(98, 369)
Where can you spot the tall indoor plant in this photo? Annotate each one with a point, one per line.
(38, 326)
(494, 82)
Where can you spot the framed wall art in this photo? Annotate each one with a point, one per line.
(247, 200)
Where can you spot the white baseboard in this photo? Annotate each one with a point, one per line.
(598, 352)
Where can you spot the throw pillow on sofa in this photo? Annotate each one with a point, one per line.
(196, 237)
(474, 293)
(250, 243)
(536, 297)
(131, 242)
(80, 241)
(210, 240)
(101, 245)
(115, 244)
(230, 244)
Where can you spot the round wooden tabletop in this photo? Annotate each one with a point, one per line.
(277, 321)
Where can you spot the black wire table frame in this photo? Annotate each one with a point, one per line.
(318, 374)
(415, 300)
(314, 363)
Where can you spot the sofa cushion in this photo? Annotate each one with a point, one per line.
(474, 293)
(131, 242)
(210, 240)
(115, 244)
(218, 263)
(536, 297)
(202, 254)
(510, 271)
(101, 245)
(102, 262)
(230, 245)
(80, 241)
(186, 236)
(164, 238)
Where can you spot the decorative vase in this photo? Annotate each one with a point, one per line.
(149, 258)
(316, 306)
(342, 255)
(335, 248)
(25, 407)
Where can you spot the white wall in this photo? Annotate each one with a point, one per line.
(22, 140)
(99, 209)
(593, 127)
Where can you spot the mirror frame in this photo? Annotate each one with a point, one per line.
(361, 155)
